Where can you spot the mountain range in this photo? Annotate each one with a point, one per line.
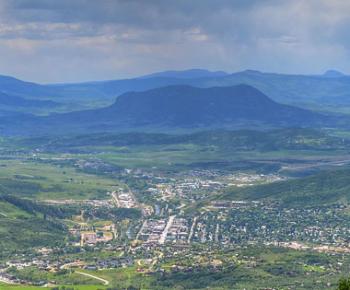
(329, 91)
(181, 100)
(331, 88)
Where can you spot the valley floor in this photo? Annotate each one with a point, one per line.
(177, 216)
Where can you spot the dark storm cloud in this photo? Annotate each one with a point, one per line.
(130, 12)
(212, 17)
(90, 39)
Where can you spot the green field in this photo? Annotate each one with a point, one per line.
(39, 180)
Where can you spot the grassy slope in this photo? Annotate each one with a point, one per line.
(48, 181)
(20, 230)
(323, 188)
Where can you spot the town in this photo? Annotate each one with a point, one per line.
(166, 226)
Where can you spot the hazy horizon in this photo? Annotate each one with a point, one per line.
(172, 70)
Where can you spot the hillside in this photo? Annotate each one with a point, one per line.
(26, 97)
(22, 226)
(319, 189)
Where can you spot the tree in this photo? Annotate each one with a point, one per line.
(344, 284)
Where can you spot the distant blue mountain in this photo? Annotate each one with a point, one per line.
(12, 86)
(186, 106)
(333, 74)
(330, 90)
(172, 108)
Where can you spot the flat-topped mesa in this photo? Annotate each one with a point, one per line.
(190, 106)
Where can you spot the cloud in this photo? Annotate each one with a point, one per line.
(49, 40)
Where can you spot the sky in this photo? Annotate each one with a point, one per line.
(82, 40)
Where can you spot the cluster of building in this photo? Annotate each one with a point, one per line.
(54, 264)
(187, 189)
(110, 263)
(95, 165)
(124, 199)
(89, 235)
(196, 185)
(92, 238)
(151, 231)
(244, 179)
(178, 231)
(11, 279)
(234, 223)
(159, 232)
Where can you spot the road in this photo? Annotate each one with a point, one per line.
(115, 198)
(141, 229)
(105, 282)
(5, 280)
(166, 230)
(192, 229)
(72, 264)
(217, 230)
